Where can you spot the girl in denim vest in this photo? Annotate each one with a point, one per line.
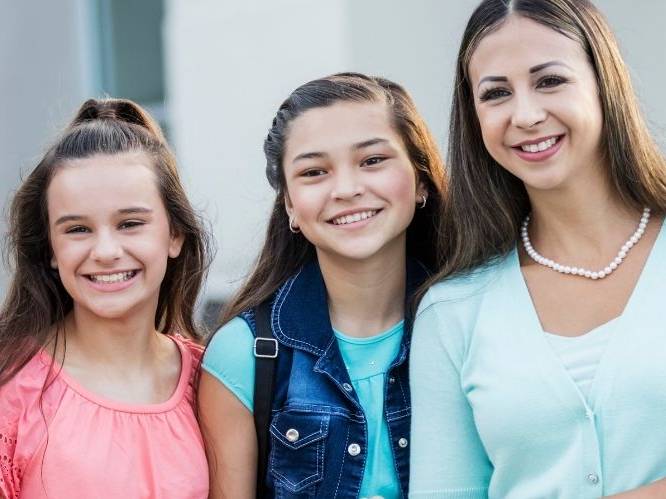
(351, 236)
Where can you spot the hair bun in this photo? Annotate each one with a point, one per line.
(123, 110)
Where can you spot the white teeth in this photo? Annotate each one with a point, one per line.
(111, 278)
(356, 217)
(541, 146)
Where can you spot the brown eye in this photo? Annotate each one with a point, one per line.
(493, 94)
(374, 160)
(551, 81)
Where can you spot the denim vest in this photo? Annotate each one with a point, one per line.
(318, 433)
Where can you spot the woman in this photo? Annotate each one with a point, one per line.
(358, 178)
(537, 361)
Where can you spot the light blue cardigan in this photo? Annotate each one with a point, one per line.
(496, 415)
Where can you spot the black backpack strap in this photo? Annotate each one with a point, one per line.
(265, 353)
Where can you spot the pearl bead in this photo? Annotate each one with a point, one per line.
(564, 269)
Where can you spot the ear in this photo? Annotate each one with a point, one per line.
(54, 263)
(176, 244)
(421, 190)
(287, 205)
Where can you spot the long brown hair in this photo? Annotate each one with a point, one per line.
(37, 302)
(486, 204)
(285, 252)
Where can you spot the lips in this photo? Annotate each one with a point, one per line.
(539, 149)
(354, 217)
(110, 282)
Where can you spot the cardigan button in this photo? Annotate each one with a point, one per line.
(392, 380)
(593, 478)
(347, 387)
(354, 449)
(403, 442)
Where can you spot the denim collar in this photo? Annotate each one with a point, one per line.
(299, 315)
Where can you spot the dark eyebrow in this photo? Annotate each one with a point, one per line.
(68, 218)
(533, 69)
(370, 142)
(492, 78)
(358, 145)
(123, 211)
(308, 155)
(134, 209)
(539, 67)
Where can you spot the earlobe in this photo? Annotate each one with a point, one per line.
(54, 263)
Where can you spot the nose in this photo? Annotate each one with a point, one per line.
(107, 247)
(348, 183)
(528, 110)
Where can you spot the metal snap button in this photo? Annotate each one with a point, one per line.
(292, 434)
(347, 387)
(391, 380)
(403, 442)
(354, 449)
(593, 478)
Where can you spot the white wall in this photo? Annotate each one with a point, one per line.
(44, 75)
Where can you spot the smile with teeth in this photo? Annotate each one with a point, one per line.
(112, 278)
(356, 217)
(541, 146)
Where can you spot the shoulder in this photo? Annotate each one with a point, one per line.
(229, 358)
(23, 392)
(234, 338)
(193, 349)
(467, 288)
(451, 309)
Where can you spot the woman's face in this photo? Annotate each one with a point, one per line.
(351, 187)
(537, 101)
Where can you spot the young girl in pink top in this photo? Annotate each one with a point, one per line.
(95, 378)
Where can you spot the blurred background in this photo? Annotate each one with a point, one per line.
(213, 72)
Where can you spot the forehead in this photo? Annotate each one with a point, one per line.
(519, 44)
(102, 183)
(338, 126)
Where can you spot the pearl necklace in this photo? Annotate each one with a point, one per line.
(600, 274)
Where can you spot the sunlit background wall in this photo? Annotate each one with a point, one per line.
(214, 72)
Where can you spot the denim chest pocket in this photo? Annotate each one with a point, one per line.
(298, 448)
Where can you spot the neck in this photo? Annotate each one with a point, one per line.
(114, 343)
(587, 221)
(365, 297)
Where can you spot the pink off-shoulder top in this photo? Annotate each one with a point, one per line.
(66, 442)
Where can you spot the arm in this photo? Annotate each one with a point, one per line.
(655, 490)
(447, 458)
(231, 442)
(225, 399)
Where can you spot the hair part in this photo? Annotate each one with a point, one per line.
(486, 204)
(284, 252)
(37, 302)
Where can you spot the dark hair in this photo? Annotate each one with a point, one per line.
(486, 203)
(37, 301)
(285, 252)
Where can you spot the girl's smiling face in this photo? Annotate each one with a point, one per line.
(351, 188)
(110, 234)
(537, 102)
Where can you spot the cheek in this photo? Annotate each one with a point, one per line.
(491, 129)
(306, 203)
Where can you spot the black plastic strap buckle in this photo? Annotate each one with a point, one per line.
(265, 348)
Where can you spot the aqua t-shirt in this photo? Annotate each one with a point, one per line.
(229, 358)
